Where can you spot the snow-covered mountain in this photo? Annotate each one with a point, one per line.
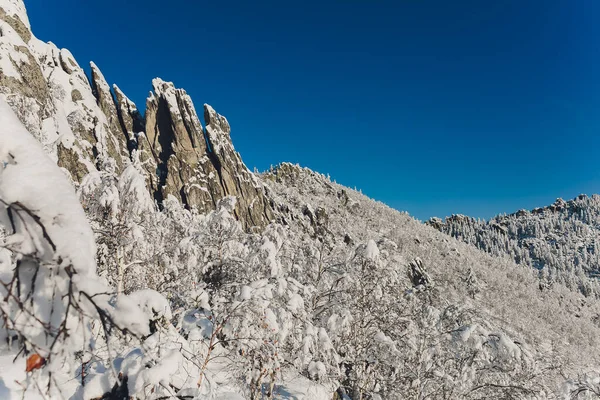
(88, 127)
(561, 241)
(139, 258)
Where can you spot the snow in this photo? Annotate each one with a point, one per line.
(67, 57)
(27, 177)
(11, 373)
(162, 372)
(94, 387)
(292, 304)
(169, 93)
(152, 303)
(271, 250)
(216, 136)
(50, 236)
(371, 251)
(271, 320)
(133, 183)
(300, 388)
(7, 65)
(382, 338)
(317, 369)
(9, 55)
(16, 8)
(200, 298)
(126, 314)
(229, 396)
(100, 80)
(245, 293)
(296, 303)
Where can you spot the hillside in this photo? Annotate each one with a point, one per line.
(560, 241)
(140, 258)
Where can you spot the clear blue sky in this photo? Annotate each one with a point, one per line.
(434, 107)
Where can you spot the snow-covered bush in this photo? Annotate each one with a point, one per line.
(55, 310)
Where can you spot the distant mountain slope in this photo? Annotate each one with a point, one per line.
(561, 241)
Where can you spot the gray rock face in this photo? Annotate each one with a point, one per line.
(117, 141)
(418, 275)
(132, 121)
(436, 223)
(235, 178)
(134, 125)
(86, 126)
(198, 166)
(15, 23)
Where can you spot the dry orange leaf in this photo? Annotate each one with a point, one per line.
(34, 361)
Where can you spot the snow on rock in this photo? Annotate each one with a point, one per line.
(253, 309)
(85, 128)
(199, 164)
(132, 182)
(16, 9)
(116, 139)
(296, 303)
(132, 120)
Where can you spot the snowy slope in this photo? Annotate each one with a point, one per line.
(148, 295)
(561, 241)
(494, 290)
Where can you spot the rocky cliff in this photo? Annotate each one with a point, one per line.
(86, 126)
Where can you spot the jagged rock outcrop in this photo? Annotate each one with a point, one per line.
(86, 126)
(117, 149)
(134, 126)
(132, 121)
(418, 275)
(22, 81)
(175, 138)
(198, 166)
(53, 98)
(435, 222)
(234, 176)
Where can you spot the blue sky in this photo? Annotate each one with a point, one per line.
(433, 107)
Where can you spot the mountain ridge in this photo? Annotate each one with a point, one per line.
(213, 282)
(559, 240)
